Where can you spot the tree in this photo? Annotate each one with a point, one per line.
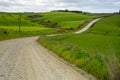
(66, 10)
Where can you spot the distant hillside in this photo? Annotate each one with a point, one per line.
(62, 19)
(12, 19)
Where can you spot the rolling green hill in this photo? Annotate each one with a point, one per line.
(64, 19)
(97, 50)
(9, 26)
(33, 24)
(12, 19)
(47, 20)
(110, 26)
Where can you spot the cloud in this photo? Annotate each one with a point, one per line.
(6, 3)
(47, 5)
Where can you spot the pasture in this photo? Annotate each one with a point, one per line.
(64, 19)
(35, 24)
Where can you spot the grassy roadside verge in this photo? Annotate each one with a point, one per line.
(91, 62)
(10, 34)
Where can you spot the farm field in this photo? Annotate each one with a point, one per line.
(12, 19)
(65, 19)
(9, 26)
(96, 50)
(35, 24)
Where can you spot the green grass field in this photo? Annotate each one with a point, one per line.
(9, 26)
(34, 24)
(97, 50)
(12, 19)
(65, 19)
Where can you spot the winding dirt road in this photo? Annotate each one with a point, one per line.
(25, 59)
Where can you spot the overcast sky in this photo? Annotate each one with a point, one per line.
(98, 6)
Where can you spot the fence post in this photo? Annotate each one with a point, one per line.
(20, 22)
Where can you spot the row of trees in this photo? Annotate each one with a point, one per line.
(66, 10)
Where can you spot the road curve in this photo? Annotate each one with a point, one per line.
(88, 26)
(25, 59)
(81, 30)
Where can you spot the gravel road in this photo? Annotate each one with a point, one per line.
(25, 59)
(88, 26)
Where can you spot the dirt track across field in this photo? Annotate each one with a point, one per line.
(88, 26)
